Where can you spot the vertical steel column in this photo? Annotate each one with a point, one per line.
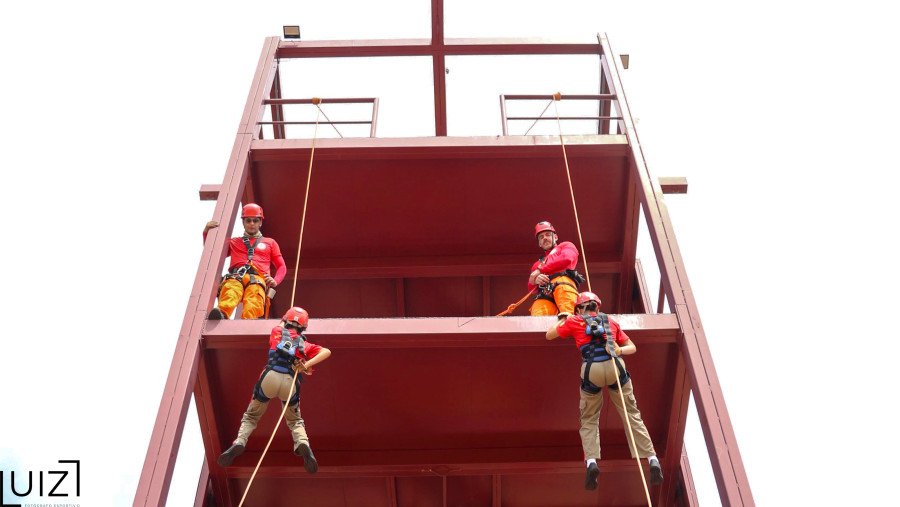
(439, 67)
(156, 475)
(728, 468)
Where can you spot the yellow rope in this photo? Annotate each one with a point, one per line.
(556, 97)
(637, 456)
(258, 463)
(312, 154)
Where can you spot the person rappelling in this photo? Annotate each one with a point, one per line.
(602, 343)
(553, 275)
(249, 280)
(289, 352)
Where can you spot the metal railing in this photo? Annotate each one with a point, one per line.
(607, 124)
(278, 122)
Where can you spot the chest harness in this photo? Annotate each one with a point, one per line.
(546, 291)
(281, 360)
(238, 273)
(599, 349)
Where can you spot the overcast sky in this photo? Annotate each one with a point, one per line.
(782, 115)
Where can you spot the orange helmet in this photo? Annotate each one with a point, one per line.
(587, 297)
(252, 210)
(543, 226)
(297, 315)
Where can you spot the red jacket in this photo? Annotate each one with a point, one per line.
(574, 327)
(560, 258)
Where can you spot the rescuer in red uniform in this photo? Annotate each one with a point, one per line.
(248, 276)
(288, 351)
(602, 342)
(554, 274)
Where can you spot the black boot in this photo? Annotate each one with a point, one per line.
(656, 475)
(216, 314)
(590, 477)
(309, 461)
(228, 456)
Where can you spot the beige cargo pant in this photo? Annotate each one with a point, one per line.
(604, 374)
(273, 385)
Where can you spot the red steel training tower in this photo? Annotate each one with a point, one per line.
(428, 399)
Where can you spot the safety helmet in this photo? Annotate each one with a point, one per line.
(587, 297)
(298, 316)
(252, 211)
(543, 226)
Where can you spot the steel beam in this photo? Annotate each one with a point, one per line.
(156, 475)
(434, 332)
(209, 192)
(673, 184)
(362, 148)
(425, 47)
(283, 465)
(728, 468)
(427, 267)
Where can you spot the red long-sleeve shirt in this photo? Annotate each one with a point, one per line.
(266, 254)
(560, 258)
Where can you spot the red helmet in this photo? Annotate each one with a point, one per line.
(297, 316)
(252, 210)
(586, 297)
(543, 226)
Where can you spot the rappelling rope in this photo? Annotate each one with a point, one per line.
(637, 456)
(312, 154)
(272, 436)
(556, 97)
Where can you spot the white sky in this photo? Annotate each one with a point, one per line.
(783, 116)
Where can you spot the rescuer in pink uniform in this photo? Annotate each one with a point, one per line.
(602, 343)
(288, 351)
(554, 274)
(248, 278)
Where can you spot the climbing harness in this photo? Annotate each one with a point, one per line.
(251, 271)
(283, 345)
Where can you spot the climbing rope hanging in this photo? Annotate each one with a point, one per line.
(556, 97)
(312, 154)
(587, 274)
(271, 437)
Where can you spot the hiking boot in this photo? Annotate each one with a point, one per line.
(590, 477)
(216, 314)
(309, 461)
(656, 475)
(227, 457)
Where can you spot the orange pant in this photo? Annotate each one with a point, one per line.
(253, 295)
(564, 297)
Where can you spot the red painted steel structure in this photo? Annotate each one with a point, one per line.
(428, 400)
